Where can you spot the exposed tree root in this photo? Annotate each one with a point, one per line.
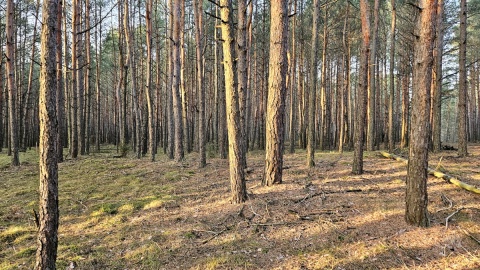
(437, 174)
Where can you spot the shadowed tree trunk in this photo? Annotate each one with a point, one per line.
(416, 192)
(60, 85)
(48, 203)
(148, 85)
(74, 76)
(359, 132)
(235, 153)
(12, 90)
(26, 103)
(278, 67)
(242, 67)
(437, 81)
(372, 66)
(200, 84)
(462, 82)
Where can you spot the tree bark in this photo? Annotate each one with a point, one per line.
(278, 67)
(313, 83)
(437, 82)
(148, 85)
(416, 192)
(242, 67)
(177, 100)
(48, 204)
(293, 82)
(74, 76)
(236, 154)
(372, 64)
(60, 85)
(26, 103)
(462, 84)
(202, 161)
(391, 139)
(359, 132)
(12, 90)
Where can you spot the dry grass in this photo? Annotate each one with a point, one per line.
(134, 214)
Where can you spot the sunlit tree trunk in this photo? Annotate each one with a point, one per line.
(313, 84)
(391, 139)
(236, 154)
(177, 100)
(324, 126)
(48, 204)
(359, 132)
(416, 191)
(12, 90)
(293, 82)
(462, 84)
(278, 67)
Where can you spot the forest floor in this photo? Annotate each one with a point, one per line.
(123, 213)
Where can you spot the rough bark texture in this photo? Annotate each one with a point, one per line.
(313, 83)
(359, 132)
(242, 66)
(462, 82)
(437, 87)
(235, 153)
(371, 80)
(416, 191)
(202, 161)
(73, 94)
(177, 99)
(12, 89)
(278, 66)
(48, 204)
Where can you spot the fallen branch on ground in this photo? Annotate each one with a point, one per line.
(450, 216)
(437, 174)
(471, 236)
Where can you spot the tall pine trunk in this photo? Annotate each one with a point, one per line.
(48, 202)
(278, 66)
(313, 88)
(11, 85)
(236, 154)
(462, 84)
(416, 187)
(359, 132)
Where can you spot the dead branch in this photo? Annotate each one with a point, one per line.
(471, 236)
(437, 174)
(446, 201)
(450, 216)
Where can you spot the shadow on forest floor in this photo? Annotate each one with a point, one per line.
(134, 214)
